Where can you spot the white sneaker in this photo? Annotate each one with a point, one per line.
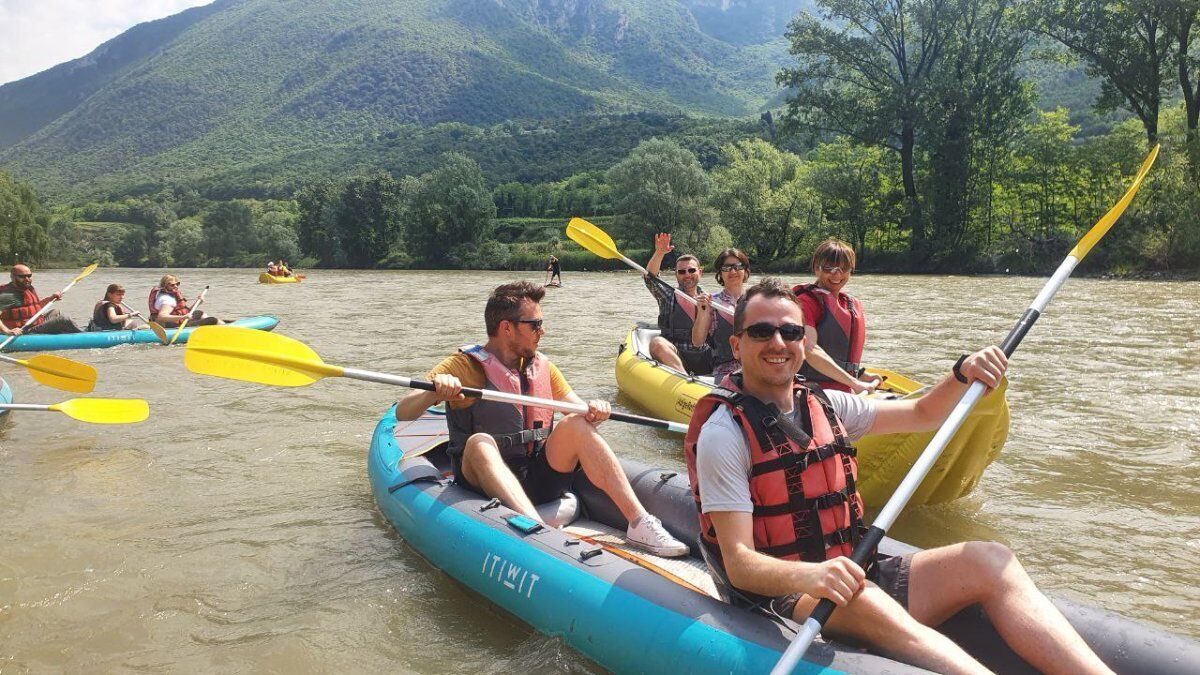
(648, 532)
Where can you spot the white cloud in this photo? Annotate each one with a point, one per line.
(40, 34)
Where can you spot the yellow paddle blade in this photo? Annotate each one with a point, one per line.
(1103, 225)
(158, 330)
(255, 356)
(592, 238)
(62, 373)
(105, 410)
(86, 271)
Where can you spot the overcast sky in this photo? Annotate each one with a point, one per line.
(40, 34)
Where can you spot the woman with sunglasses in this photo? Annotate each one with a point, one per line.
(169, 308)
(834, 321)
(733, 271)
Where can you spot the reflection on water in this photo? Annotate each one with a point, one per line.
(237, 527)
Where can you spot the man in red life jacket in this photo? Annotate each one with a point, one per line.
(19, 301)
(517, 453)
(773, 476)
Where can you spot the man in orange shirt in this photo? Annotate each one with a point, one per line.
(517, 453)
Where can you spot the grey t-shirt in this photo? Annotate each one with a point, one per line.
(723, 457)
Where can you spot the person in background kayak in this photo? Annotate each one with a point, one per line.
(518, 453)
(272, 268)
(673, 346)
(169, 308)
(834, 320)
(19, 301)
(712, 328)
(773, 475)
(109, 314)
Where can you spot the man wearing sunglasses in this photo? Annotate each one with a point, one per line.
(19, 301)
(673, 346)
(518, 453)
(774, 476)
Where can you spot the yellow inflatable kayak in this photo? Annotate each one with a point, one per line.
(883, 460)
(265, 278)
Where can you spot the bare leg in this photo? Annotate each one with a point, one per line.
(483, 466)
(664, 352)
(575, 441)
(945, 580)
(879, 621)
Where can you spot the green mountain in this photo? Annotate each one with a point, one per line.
(241, 84)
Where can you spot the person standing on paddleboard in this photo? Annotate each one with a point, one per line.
(773, 475)
(19, 302)
(554, 268)
(519, 454)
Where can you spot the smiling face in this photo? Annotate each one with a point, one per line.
(772, 362)
(687, 274)
(833, 277)
(732, 277)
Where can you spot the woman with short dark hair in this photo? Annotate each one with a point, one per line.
(110, 314)
(732, 272)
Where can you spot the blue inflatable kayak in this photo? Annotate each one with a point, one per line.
(112, 338)
(632, 612)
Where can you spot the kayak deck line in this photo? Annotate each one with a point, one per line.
(102, 339)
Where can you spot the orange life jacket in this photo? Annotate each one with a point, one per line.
(180, 308)
(841, 332)
(802, 478)
(15, 317)
(517, 429)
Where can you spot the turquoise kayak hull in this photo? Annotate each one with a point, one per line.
(632, 615)
(5, 395)
(112, 338)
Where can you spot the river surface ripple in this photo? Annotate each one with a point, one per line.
(236, 530)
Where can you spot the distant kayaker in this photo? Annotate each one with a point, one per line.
(110, 314)
(673, 346)
(834, 320)
(169, 308)
(19, 302)
(782, 530)
(273, 269)
(554, 271)
(284, 270)
(733, 270)
(518, 453)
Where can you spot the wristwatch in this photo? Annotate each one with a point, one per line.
(958, 369)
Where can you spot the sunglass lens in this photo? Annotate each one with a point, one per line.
(791, 332)
(760, 331)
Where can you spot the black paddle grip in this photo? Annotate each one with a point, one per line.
(862, 553)
(1018, 331)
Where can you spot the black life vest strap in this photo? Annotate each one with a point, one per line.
(522, 437)
(842, 536)
(825, 501)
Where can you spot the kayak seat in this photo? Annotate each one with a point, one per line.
(560, 512)
(716, 570)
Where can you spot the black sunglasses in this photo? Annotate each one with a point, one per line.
(23, 276)
(689, 270)
(790, 332)
(535, 324)
(729, 267)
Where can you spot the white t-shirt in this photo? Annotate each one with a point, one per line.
(723, 457)
(164, 303)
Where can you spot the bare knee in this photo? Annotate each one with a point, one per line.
(661, 348)
(480, 449)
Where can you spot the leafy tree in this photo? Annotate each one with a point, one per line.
(856, 185)
(226, 229)
(450, 206)
(318, 204)
(276, 236)
(764, 200)
(368, 219)
(23, 222)
(660, 187)
(1129, 44)
(182, 243)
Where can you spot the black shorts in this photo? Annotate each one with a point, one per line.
(889, 573)
(539, 480)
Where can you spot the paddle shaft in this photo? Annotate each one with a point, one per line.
(517, 399)
(45, 308)
(191, 313)
(887, 516)
(26, 406)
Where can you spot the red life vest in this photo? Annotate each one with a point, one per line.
(517, 429)
(841, 332)
(180, 308)
(15, 317)
(802, 476)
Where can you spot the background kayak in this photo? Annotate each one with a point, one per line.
(6, 395)
(264, 278)
(112, 338)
